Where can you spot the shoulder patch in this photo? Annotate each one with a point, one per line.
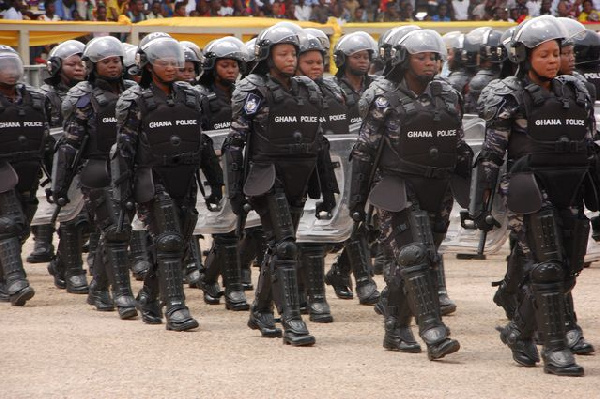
(381, 102)
(252, 104)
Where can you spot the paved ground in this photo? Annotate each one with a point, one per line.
(58, 347)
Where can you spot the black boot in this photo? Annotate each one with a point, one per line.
(92, 245)
(69, 249)
(379, 259)
(4, 297)
(43, 250)
(170, 280)
(379, 307)
(98, 295)
(208, 278)
(285, 290)
(366, 289)
(193, 263)
(57, 272)
(339, 277)
(556, 355)
(247, 279)
(147, 300)
(139, 261)
(235, 297)
(261, 313)
(118, 275)
(313, 261)
(575, 340)
(507, 294)
(424, 303)
(16, 284)
(447, 305)
(398, 334)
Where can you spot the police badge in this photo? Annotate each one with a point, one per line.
(381, 102)
(252, 103)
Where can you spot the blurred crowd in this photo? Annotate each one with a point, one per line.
(302, 10)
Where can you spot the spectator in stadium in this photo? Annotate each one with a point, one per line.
(136, 11)
(320, 12)
(50, 14)
(441, 14)
(115, 8)
(589, 14)
(155, 11)
(302, 11)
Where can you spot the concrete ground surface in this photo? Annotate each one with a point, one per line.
(59, 347)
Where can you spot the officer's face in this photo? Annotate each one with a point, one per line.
(545, 59)
(72, 68)
(227, 69)
(424, 64)
(187, 73)
(311, 64)
(359, 62)
(166, 69)
(284, 58)
(110, 67)
(567, 60)
(10, 71)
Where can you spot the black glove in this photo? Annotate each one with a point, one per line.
(357, 213)
(327, 205)
(486, 222)
(595, 221)
(60, 199)
(237, 204)
(215, 197)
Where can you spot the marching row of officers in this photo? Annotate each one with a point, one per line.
(137, 148)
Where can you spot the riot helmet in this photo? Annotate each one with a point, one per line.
(492, 48)
(573, 28)
(533, 32)
(250, 55)
(269, 38)
(225, 48)
(57, 55)
(454, 42)
(163, 50)
(99, 49)
(311, 57)
(391, 36)
(417, 41)
(129, 60)
(472, 44)
(349, 45)
(11, 67)
(587, 49)
(309, 42)
(320, 35)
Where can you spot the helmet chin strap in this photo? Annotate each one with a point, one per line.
(271, 65)
(356, 72)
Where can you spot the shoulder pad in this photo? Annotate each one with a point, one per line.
(182, 85)
(495, 93)
(308, 82)
(578, 83)
(127, 98)
(72, 97)
(251, 82)
(480, 80)
(203, 90)
(247, 98)
(332, 86)
(46, 88)
(374, 92)
(128, 83)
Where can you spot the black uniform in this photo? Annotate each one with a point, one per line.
(24, 131)
(160, 147)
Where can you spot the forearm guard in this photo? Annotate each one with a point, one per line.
(464, 160)
(121, 176)
(48, 155)
(483, 180)
(63, 170)
(210, 164)
(234, 159)
(329, 183)
(359, 184)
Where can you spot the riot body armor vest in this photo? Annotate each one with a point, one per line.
(171, 139)
(425, 152)
(554, 146)
(592, 75)
(460, 79)
(335, 114)
(22, 135)
(219, 104)
(352, 98)
(104, 133)
(55, 95)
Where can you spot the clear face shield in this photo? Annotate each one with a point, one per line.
(11, 69)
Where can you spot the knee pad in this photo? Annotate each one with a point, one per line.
(169, 242)
(286, 250)
(543, 236)
(12, 227)
(412, 255)
(547, 272)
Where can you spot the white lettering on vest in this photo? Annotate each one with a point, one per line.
(419, 133)
(308, 119)
(339, 117)
(546, 122)
(446, 133)
(575, 122)
(222, 125)
(186, 122)
(9, 124)
(355, 120)
(284, 119)
(153, 125)
(109, 120)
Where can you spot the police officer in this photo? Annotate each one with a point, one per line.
(543, 123)
(462, 65)
(192, 68)
(159, 152)
(65, 69)
(352, 55)
(223, 60)
(276, 121)
(587, 57)
(412, 135)
(24, 130)
(492, 54)
(311, 64)
(89, 133)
